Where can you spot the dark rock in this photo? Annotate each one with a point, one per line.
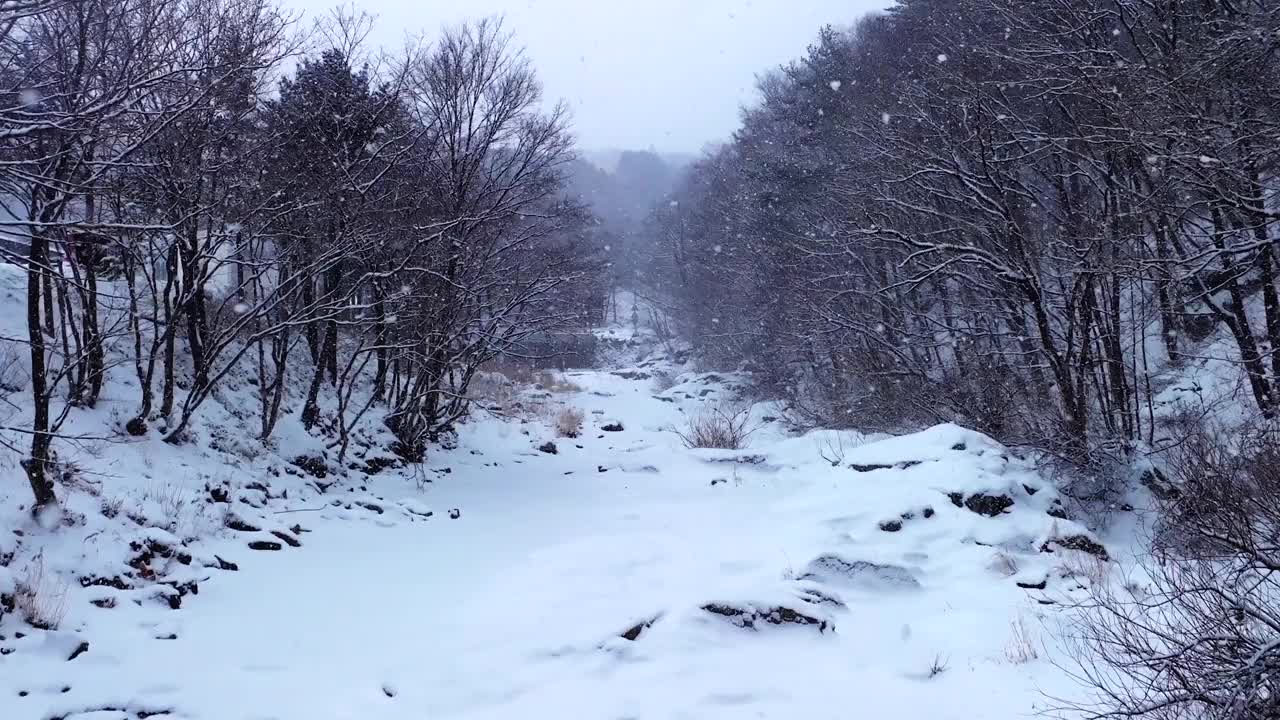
(454, 514)
(136, 427)
(226, 564)
(1056, 510)
(664, 399)
(891, 525)
(1033, 586)
(549, 448)
(748, 459)
(1083, 543)
(265, 545)
(956, 499)
(113, 582)
(814, 596)
(104, 603)
(718, 481)
(235, 523)
(908, 515)
(928, 513)
(612, 427)
(832, 569)
(218, 494)
(908, 464)
(868, 468)
(959, 446)
(1158, 484)
(634, 632)
(989, 505)
(601, 468)
(170, 636)
(1030, 490)
(314, 466)
(632, 374)
(375, 465)
(372, 507)
(290, 540)
(81, 649)
(749, 617)
(388, 691)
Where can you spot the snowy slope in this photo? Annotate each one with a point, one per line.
(624, 576)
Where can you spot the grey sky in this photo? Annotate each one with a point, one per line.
(666, 73)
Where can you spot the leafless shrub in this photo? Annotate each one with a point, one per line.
(1004, 564)
(555, 383)
(726, 427)
(41, 597)
(173, 502)
(1023, 644)
(938, 666)
(12, 376)
(111, 507)
(835, 445)
(1201, 637)
(569, 422)
(662, 381)
(1083, 566)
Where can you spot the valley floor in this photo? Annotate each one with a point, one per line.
(759, 583)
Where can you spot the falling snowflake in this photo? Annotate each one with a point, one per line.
(608, 247)
(885, 118)
(716, 249)
(835, 85)
(240, 308)
(29, 97)
(942, 57)
(675, 203)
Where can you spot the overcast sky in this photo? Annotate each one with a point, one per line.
(637, 73)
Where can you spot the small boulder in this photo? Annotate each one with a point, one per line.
(832, 569)
(549, 448)
(751, 617)
(612, 427)
(1081, 542)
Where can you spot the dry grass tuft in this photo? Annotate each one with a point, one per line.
(1023, 642)
(725, 427)
(41, 597)
(569, 422)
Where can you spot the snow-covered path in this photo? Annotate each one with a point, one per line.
(515, 609)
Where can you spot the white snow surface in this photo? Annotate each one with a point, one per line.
(516, 608)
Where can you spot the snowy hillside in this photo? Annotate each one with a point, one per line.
(622, 575)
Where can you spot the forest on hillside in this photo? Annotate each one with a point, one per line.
(254, 194)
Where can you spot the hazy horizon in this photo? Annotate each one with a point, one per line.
(665, 74)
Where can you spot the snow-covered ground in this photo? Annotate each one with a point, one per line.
(624, 576)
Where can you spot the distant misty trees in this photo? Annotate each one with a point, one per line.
(622, 198)
(344, 222)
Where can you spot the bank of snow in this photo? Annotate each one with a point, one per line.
(623, 576)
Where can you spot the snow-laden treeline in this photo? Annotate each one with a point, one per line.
(1053, 221)
(196, 187)
(1012, 213)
